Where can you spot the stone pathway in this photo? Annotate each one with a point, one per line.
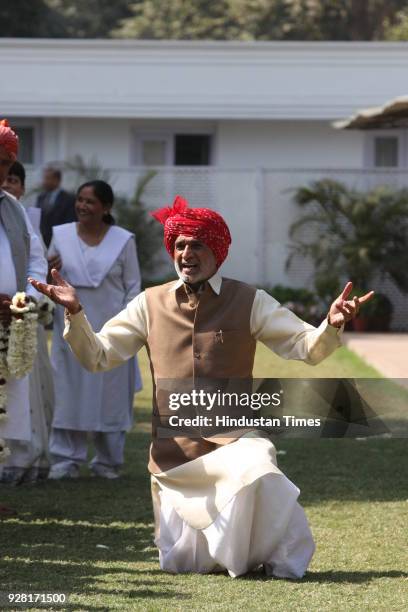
(387, 352)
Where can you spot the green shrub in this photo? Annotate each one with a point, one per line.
(351, 235)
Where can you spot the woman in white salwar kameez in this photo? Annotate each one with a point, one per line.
(100, 260)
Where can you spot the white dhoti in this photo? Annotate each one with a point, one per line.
(30, 414)
(17, 426)
(233, 510)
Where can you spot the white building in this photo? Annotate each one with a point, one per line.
(232, 125)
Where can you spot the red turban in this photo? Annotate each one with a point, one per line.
(201, 223)
(8, 139)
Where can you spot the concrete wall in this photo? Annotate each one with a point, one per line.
(287, 144)
(237, 144)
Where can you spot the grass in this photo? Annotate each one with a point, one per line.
(343, 363)
(355, 494)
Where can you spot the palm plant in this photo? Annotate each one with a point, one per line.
(132, 214)
(353, 235)
(87, 170)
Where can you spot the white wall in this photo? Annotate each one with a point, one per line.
(108, 140)
(287, 144)
(237, 144)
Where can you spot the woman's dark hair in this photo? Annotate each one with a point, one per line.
(103, 191)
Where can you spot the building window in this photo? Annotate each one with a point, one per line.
(172, 149)
(385, 149)
(192, 149)
(154, 152)
(386, 152)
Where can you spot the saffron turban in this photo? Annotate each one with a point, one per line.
(200, 223)
(8, 139)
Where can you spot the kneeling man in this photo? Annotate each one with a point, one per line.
(220, 503)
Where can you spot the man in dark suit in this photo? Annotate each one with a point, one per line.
(57, 205)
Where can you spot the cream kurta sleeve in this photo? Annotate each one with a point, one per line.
(119, 339)
(287, 335)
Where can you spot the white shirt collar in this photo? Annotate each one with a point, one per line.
(54, 195)
(215, 283)
(7, 194)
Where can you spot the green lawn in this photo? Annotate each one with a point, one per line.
(355, 494)
(341, 364)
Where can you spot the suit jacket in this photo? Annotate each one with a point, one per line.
(61, 211)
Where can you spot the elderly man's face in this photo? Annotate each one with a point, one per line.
(5, 164)
(194, 260)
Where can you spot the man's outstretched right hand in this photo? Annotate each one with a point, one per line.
(60, 293)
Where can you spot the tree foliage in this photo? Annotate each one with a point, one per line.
(260, 19)
(397, 29)
(30, 19)
(61, 18)
(204, 20)
(91, 18)
(179, 19)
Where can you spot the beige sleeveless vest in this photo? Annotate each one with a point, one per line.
(190, 337)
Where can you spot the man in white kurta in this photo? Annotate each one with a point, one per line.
(17, 427)
(219, 505)
(29, 459)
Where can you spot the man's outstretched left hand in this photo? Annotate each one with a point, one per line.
(343, 310)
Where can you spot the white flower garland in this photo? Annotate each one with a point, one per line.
(18, 347)
(22, 342)
(45, 311)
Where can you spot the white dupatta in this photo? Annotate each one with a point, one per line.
(100, 259)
